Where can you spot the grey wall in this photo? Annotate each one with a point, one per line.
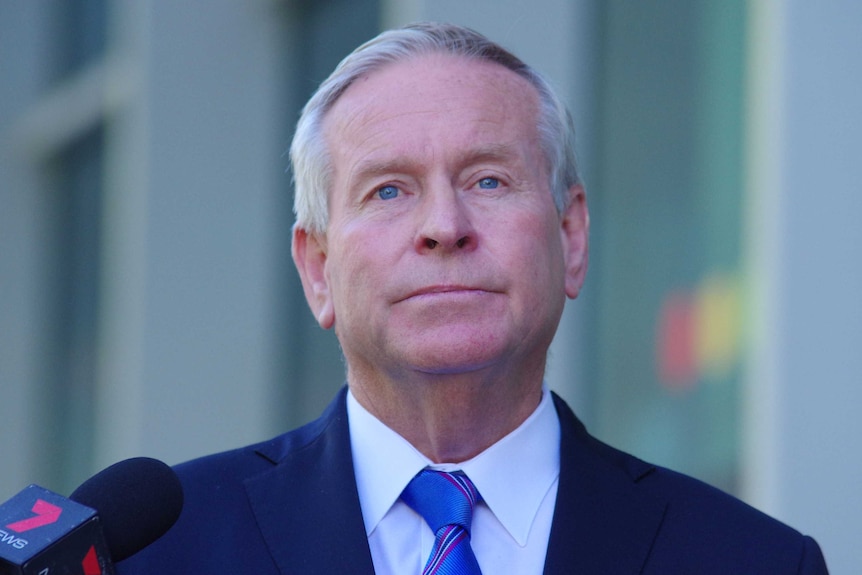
(820, 276)
(191, 230)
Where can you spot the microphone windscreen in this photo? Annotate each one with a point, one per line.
(137, 500)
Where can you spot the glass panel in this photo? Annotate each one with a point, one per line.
(667, 217)
(78, 32)
(75, 197)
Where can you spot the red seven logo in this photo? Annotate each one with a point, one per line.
(91, 563)
(45, 515)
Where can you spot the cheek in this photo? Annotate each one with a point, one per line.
(540, 255)
(354, 270)
(537, 233)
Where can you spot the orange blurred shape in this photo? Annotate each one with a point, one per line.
(676, 342)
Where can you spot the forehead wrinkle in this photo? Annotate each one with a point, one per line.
(372, 124)
(369, 126)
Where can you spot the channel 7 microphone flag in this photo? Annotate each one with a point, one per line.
(108, 518)
(43, 533)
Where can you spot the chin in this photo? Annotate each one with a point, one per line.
(455, 358)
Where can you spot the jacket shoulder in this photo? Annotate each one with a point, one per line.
(716, 528)
(232, 467)
(218, 529)
(696, 528)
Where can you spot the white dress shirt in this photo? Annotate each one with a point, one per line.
(517, 478)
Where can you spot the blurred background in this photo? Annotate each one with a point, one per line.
(148, 303)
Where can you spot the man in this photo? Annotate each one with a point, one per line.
(441, 224)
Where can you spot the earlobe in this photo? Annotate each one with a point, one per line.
(575, 235)
(309, 256)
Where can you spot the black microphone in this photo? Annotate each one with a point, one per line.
(110, 517)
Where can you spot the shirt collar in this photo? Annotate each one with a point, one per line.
(513, 475)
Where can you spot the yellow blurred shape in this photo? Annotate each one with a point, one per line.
(718, 325)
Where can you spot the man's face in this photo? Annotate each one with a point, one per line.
(444, 251)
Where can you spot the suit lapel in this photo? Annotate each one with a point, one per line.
(602, 524)
(307, 506)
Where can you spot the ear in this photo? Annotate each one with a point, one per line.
(575, 231)
(309, 256)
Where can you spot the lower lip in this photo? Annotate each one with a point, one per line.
(449, 294)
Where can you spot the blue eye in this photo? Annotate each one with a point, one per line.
(387, 192)
(489, 183)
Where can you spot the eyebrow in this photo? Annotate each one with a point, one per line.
(480, 154)
(489, 153)
(372, 169)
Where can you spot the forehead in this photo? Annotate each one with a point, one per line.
(427, 100)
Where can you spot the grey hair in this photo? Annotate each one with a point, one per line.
(310, 159)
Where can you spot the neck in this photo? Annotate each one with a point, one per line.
(453, 417)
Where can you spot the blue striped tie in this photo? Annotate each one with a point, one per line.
(446, 501)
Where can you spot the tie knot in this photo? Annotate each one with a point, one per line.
(442, 498)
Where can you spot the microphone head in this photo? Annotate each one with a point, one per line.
(137, 500)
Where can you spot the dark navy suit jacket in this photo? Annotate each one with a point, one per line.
(290, 506)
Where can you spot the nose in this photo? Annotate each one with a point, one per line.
(444, 223)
